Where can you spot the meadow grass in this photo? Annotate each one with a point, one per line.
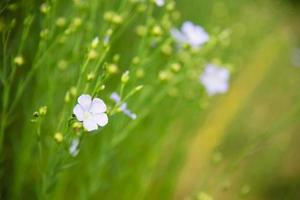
(53, 52)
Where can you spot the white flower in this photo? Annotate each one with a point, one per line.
(190, 34)
(74, 147)
(215, 79)
(160, 3)
(90, 112)
(123, 107)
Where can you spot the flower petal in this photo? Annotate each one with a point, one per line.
(98, 106)
(90, 125)
(74, 147)
(101, 119)
(115, 97)
(85, 101)
(78, 112)
(178, 36)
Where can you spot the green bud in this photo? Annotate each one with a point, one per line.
(90, 76)
(112, 68)
(141, 30)
(138, 88)
(157, 31)
(95, 42)
(45, 8)
(43, 110)
(61, 22)
(116, 58)
(125, 77)
(175, 67)
(19, 60)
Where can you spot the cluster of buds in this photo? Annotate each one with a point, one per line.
(113, 17)
(75, 24)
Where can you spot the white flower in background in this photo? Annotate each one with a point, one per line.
(190, 34)
(123, 107)
(160, 3)
(74, 147)
(215, 79)
(91, 112)
(296, 57)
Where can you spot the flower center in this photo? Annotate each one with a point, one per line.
(87, 115)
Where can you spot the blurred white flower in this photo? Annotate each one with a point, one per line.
(91, 112)
(160, 3)
(296, 57)
(123, 107)
(215, 79)
(74, 147)
(190, 34)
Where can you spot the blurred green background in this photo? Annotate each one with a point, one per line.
(244, 145)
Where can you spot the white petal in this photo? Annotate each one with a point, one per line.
(98, 106)
(160, 3)
(100, 119)
(178, 36)
(115, 97)
(90, 125)
(78, 112)
(85, 101)
(187, 27)
(223, 74)
(74, 147)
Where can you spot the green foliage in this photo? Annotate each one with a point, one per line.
(54, 51)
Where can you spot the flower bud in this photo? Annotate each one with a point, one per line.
(175, 67)
(77, 21)
(43, 110)
(95, 42)
(62, 64)
(19, 60)
(166, 49)
(61, 22)
(164, 75)
(67, 97)
(108, 16)
(112, 68)
(44, 8)
(140, 73)
(138, 88)
(136, 60)
(125, 77)
(58, 136)
(90, 76)
(157, 31)
(117, 19)
(92, 54)
(141, 30)
(44, 33)
(116, 58)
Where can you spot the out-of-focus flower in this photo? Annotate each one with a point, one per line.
(123, 107)
(295, 58)
(160, 3)
(91, 112)
(190, 34)
(215, 79)
(74, 147)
